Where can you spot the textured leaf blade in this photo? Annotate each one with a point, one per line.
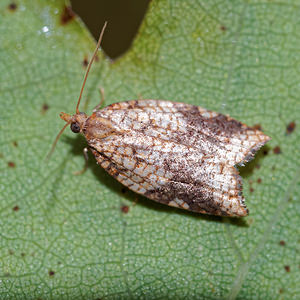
(65, 236)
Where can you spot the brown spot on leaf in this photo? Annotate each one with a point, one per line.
(11, 164)
(277, 150)
(125, 209)
(67, 15)
(15, 143)
(223, 28)
(282, 243)
(257, 126)
(259, 180)
(291, 127)
(45, 107)
(12, 6)
(16, 208)
(251, 190)
(281, 290)
(287, 268)
(85, 62)
(22, 254)
(257, 166)
(51, 273)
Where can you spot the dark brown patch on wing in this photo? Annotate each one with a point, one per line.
(217, 125)
(193, 190)
(193, 195)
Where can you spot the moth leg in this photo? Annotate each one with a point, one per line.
(86, 158)
(97, 107)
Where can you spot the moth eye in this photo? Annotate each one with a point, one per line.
(75, 127)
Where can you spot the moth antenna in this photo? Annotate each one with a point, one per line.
(89, 66)
(56, 140)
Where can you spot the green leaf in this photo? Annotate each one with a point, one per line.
(66, 237)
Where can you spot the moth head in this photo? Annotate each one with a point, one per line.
(76, 121)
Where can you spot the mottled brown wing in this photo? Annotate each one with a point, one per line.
(200, 124)
(174, 153)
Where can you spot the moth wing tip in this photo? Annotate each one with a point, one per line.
(243, 212)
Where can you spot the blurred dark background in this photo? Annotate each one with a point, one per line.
(124, 18)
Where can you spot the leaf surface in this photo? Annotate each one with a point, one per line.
(85, 237)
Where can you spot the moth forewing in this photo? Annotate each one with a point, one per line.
(174, 153)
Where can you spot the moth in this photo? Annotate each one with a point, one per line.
(173, 153)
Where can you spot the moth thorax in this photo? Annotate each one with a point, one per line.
(98, 127)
